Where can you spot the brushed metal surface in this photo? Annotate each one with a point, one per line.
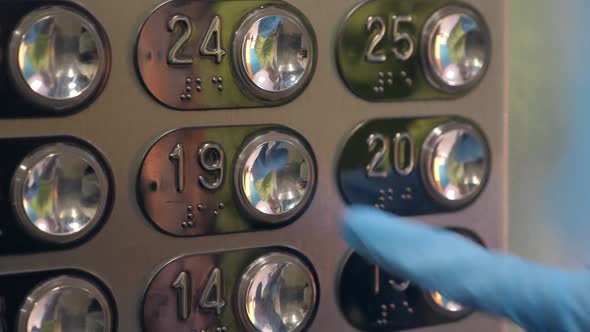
(124, 121)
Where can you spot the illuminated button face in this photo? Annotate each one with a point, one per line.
(274, 50)
(60, 193)
(277, 293)
(57, 57)
(65, 304)
(456, 49)
(274, 177)
(455, 163)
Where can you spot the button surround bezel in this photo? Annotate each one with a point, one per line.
(20, 176)
(430, 142)
(60, 282)
(255, 267)
(58, 106)
(252, 143)
(427, 35)
(238, 64)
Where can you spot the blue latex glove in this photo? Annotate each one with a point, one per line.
(538, 298)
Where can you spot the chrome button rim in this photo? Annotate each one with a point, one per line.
(427, 159)
(19, 181)
(248, 150)
(239, 47)
(257, 266)
(59, 284)
(102, 54)
(428, 57)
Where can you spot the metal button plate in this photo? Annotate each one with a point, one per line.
(373, 300)
(60, 193)
(59, 58)
(183, 186)
(189, 56)
(206, 292)
(385, 163)
(390, 50)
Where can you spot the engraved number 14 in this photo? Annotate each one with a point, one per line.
(211, 298)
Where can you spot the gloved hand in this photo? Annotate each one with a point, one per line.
(538, 298)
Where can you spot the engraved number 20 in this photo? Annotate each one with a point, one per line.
(212, 36)
(399, 38)
(403, 154)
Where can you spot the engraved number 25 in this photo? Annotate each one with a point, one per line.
(399, 38)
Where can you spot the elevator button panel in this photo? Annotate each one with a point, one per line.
(411, 50)
(194, 55)
(59, 190)
(257, 290)
(205, 181)
(414, 166)
(57, 58)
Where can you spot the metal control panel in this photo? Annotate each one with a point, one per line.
(182, 165)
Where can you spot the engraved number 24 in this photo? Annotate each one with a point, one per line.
(399, 38)
(213, 36)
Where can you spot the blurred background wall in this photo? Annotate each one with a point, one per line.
(550, 131)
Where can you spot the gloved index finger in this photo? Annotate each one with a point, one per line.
(536, 297)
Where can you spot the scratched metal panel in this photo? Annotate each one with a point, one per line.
(127, 251)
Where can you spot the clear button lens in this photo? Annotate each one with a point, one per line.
(456, 49)
(275, 53)
(455, 163)
(59, 192)
(275, 176)
(65, 304)
(57, 57)
(277, 293)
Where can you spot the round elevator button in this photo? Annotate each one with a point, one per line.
(274, 53)
(59, 193)
(274, 177)
(65, 304)
(58, 57)
(456, 48)
(277, 292)
(455, 162)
